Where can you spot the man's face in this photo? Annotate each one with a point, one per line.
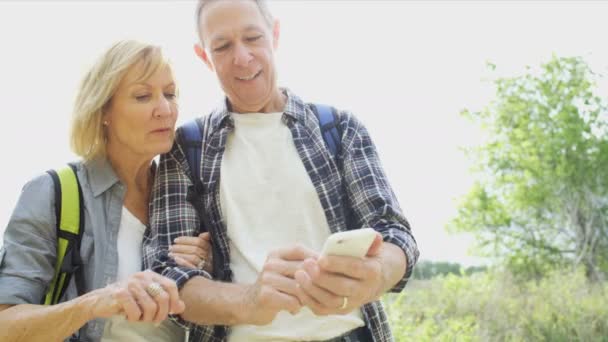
(239, 47)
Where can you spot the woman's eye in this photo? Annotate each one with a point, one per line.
(170, 96)
(142, 98)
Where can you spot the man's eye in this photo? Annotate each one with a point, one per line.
(253, 39)
(170, 96)
(221, 48)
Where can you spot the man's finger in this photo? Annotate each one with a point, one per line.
(374, 249)
(294, 253)
(335, 283)
(283, 267)
(281, 283)
(348, 266)
(317, 296)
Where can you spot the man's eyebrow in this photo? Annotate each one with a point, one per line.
(220, 37)
(252, 27)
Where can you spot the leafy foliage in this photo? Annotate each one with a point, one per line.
(426, 269)
(542, 196)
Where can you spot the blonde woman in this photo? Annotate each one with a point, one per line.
(124, 116)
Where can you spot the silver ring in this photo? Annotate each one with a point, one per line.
(201, 264)
(154, 289)
(344, 303)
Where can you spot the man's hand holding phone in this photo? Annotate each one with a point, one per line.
(347, 275)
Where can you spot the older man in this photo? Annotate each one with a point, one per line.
(270, 194)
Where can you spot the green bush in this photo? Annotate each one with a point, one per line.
(563, 306)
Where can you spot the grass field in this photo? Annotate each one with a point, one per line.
(496, 307)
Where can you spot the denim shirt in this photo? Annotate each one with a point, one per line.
(28, 255)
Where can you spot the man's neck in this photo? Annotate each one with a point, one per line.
(275, 105)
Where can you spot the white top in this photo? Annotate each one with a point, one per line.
(117, 328)
(269, 201)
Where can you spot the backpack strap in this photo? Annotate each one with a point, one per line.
(192, 141)
(69, 212)
(329, 125)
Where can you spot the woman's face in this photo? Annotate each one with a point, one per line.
(141, 116)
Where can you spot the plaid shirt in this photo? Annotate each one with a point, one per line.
(353, 190)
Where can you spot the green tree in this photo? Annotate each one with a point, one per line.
(541, 198)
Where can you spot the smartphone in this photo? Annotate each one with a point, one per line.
(353, 243)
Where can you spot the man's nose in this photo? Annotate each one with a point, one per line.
(242, 55)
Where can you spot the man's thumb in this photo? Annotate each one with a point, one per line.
(374, 249)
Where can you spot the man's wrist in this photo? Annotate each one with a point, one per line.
(243, 308)
(230, 302)
(393, 265)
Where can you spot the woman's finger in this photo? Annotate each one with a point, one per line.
(182, 261)
(188, 249)
(176, 305)
(146, 303)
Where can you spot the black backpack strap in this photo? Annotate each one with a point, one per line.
(69, 213)
(330, 127)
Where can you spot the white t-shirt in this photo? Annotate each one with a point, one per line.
(268, 201)
(117, 328)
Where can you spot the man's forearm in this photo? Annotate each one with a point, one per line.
(211, 302)
(394, 264)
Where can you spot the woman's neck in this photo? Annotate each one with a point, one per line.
(136, 173)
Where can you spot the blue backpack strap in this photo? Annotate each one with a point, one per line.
(192, 141)
(329, 125)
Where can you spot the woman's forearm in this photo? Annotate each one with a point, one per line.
(28, 322)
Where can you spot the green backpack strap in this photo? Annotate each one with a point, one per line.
(69, 211)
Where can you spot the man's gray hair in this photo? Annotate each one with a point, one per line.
(262, 6)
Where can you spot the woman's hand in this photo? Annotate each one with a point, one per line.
(193, 251)
(144, 297)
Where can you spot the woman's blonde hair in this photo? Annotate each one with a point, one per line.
(99, 84)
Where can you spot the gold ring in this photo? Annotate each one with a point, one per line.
(154, 289)
(344, 303)
(201, 264)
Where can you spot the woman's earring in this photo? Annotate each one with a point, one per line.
(105, 123)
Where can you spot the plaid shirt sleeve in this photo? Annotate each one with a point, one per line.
(171, 216)
(371, 197)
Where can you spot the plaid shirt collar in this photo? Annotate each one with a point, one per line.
(295, 109)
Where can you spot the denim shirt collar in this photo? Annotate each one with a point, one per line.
(101, 175)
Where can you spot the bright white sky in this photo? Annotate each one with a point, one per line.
(406, 68)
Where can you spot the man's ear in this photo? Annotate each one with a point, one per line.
(202, 54)
(276, 32)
